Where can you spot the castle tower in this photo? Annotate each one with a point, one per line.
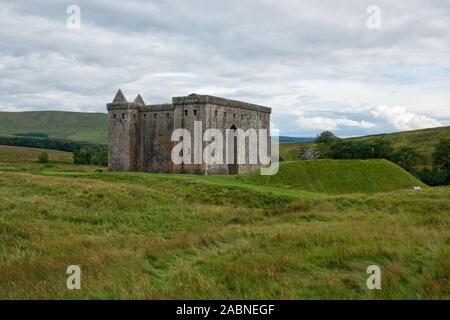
(122, 133)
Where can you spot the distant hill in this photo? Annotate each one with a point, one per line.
(422, 140)
(77, 126)
(337, 176)
(286, 139)
(92, 127)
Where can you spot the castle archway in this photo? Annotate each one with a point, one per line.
(232, 165)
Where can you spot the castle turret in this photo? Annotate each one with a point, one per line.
(122, 133)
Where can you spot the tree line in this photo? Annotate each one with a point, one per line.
(331, 147)
(45, 143)
(83, 152)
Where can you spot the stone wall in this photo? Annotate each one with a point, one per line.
(140, 135)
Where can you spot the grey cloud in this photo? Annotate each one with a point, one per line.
(263, 51)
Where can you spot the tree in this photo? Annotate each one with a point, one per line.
(43, 157)
(381, 149)
(91, 155)
(431, 177)
(406, 157)
(326, 137)
(82, 156)
(100, 157)
(441, 158)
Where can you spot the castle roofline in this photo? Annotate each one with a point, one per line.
(207, 99)
(157, 107)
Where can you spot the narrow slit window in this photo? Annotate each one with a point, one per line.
(195, 112)
(215, 113)
(154, 116)
(123, 115)
(114, 115)
(185, 112)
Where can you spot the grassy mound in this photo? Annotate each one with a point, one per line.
(337, 176)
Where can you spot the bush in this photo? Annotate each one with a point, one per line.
(43, 157)
(431, 177)
(407, 158)
(441, 159)
(91, 155)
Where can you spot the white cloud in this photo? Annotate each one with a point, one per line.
(321, 123)
(313, 61)
(402, 119)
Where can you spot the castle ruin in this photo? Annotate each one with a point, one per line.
(139, 135)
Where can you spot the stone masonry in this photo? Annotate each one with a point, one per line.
(139, 135)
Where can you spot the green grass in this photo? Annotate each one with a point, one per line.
(337, 176)
(77, 126)
(160, 236)
(423, 141)
(26, 155)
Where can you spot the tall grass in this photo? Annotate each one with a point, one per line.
(146, 236)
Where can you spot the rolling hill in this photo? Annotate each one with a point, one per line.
(337, 176)
(77, 126)
(92, 127)
(423, 141)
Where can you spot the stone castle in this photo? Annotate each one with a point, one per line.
(139, 135)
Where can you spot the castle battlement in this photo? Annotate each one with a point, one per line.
(139, 135)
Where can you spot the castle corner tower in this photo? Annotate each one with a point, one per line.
(122, 132)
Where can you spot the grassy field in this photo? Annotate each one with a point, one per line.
(77, 126)
(423, 141)
(158, 236)
(26, 155)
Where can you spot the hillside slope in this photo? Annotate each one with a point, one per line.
(337, 176)
(422, 140)
(77, 126)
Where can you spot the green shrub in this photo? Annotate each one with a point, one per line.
(91, 155)
(441, 159)
(43, 157)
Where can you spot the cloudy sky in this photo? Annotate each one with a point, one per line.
(315, 62)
